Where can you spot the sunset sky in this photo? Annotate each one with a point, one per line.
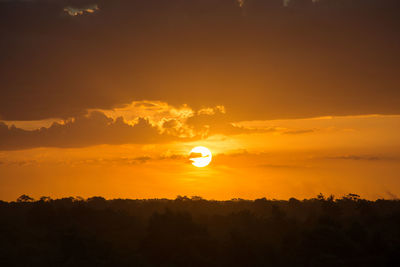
(293, 98)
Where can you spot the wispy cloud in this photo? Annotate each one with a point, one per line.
(77, 11)
(359, 157)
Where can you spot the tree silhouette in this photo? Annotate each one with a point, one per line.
(45, 199)
(347, 231)
(24, 198)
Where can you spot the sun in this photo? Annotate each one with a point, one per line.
(200, 156)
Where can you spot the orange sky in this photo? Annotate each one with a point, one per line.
(109, 97)
(252, 159)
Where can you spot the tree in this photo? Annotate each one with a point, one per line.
(321, 197)
(25, 198)
(353, 197)
(45, 199)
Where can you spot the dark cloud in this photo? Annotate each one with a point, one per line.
(19, 162)
(258, 59)
(220, 123)
(359, 157)
(300, 131)
(143, 159)
(96, 128)
(174, 157)
(80, 11)
(121, 160)
(195, 155)
(93, 129)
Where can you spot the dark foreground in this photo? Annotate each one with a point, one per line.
(195, 232)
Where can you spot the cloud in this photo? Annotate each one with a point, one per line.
(196, 155)
(92, 129)
(154, 122)
(124, 160)
(77, 11)
(141, 122)
(21, 162)
(217, 121)
(258, 66)
(358, 157)
(299, 131)
(182, 121)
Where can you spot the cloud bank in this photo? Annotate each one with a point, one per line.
(259, 59)
(138, 123)
(93, 129)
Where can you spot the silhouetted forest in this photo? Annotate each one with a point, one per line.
(348, 231)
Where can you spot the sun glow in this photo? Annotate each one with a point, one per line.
(200, 156)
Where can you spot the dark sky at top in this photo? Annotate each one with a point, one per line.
(262, 60)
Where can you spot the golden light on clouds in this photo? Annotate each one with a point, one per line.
(78, 11)
(141, 151)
